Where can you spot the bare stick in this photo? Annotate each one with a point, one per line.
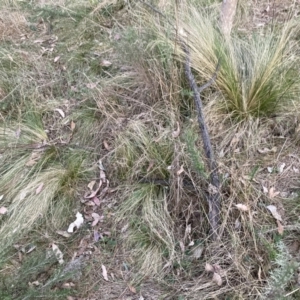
(214, 188)
(214, 198)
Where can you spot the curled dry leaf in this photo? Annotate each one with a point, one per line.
(209, 268)
(91, 184)
(280, 227)
(217, 279)
(274, 212)
(58, 254)
(96, 201)
(102, 175)
(106, 146)
(191, 243)
(96, 218)
(267, 150)
(61, 112)
(105, 63)
(34, 283)
(180, 171)
(132, 288)
(94, 193)
(242, 207)
(63, 233)
(272, 193)
(3, 210)
(56, 59)
(77, 223)
(176, 133)
(104, 273)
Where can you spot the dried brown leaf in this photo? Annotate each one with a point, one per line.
(58, 254)
(91, 184)
(280, 227)
(217, 279)
(132, 288)
(274, 212)
(209, 268)
(96, 201)
(61, 112)
(63, 233)
(267, 150)
(102, 175)
(242, 207)
(106, 146)
(105, 63)
(272, 193)
(56, 59)
(96, 218)
(180, 171)
(104, 273)
(94, 193)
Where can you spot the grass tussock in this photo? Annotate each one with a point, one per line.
(149, 232)
(13, 25)
(36, 188)
(86, 85)
(256, 74)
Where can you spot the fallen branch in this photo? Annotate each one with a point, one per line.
(214, 198)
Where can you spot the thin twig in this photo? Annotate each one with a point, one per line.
(211, 81)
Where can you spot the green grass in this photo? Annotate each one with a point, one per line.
(257, 73)
(58, 118)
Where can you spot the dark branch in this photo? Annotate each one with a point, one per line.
(214, 197)
(214, 190)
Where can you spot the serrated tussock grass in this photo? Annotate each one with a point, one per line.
(257, 74)
(36, 187)
(149, 234)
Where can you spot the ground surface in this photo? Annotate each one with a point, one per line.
(65, 64)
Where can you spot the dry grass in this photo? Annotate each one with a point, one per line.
(137, 116)
(12, 25)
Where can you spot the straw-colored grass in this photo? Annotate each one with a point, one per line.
(115, 90)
